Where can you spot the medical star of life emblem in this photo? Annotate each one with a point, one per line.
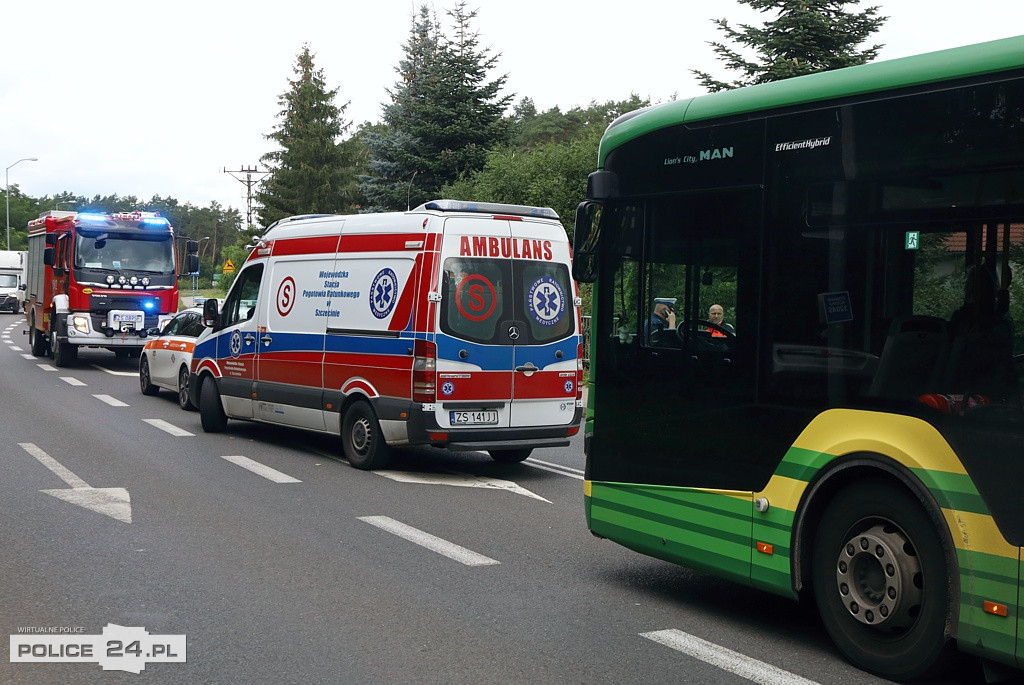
(236, 343)
(383, 293)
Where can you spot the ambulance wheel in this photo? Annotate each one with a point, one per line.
(510, 456)
(146, 379)
(183, 401)
(362, 439)
(211, 412)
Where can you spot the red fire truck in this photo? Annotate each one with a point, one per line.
(100, 280)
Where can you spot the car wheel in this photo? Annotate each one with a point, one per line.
(510, 456)
(183, 401)
(146, 379)
(211, 411)
(882, 582)
(362, 440)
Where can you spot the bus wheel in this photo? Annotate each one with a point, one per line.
(362, 439)
(211, 411)
(882, 583)
(510, 456)
(146, 379)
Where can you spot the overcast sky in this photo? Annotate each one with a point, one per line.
(157, 98)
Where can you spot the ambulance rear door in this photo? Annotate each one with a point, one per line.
(476, 325)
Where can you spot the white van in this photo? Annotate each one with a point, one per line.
(455, 324)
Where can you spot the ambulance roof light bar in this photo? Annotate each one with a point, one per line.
(488, 208)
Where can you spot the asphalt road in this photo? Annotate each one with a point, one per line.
(446, 568)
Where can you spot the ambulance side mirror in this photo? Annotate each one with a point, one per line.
(211, 312)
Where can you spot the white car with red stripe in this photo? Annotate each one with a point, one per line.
(166, 359)
(455, 324)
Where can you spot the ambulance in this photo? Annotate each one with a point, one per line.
(455, 324)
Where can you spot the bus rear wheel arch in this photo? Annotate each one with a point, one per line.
(882, 582)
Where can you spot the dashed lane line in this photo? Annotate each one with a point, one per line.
(169, 428)
(260, 469)
(725, 659)
(431, 542)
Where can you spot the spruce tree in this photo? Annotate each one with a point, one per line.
(805, 36)
(311, 172)
(443, 117)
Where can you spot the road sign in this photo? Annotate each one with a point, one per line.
(229, 267)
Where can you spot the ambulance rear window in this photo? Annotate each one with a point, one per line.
(482, 298)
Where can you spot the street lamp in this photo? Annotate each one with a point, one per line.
(7, 185)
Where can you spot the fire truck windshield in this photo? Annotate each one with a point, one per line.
(124, 252)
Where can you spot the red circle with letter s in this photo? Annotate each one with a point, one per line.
(286, 296)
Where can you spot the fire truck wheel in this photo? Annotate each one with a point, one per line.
(146, 379)
(510, 456)
(211, 412)
(37, 341)
(64, 354)
(362, 439)
(183, 401)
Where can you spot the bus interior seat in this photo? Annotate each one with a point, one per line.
(912, 358)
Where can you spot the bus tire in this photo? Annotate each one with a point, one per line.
(882, 583)
(211, 411)
(361, 438)
(146, 379)
(510, 456)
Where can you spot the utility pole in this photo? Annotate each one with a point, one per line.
(249, 182)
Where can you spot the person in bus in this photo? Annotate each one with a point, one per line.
(716, 315)
(663, 317)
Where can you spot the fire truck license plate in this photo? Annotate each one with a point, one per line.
(121, 320)
(474, 418)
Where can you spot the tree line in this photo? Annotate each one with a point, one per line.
(449, 131)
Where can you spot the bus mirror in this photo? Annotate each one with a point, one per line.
(586, 237)
(191, 264)
(192, 246)
(48, 255)
(211, 312)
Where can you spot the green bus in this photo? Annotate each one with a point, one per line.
(806, 376)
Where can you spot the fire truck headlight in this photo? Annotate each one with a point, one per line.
(110, 279)
(80, 323)
(122, 280)
(145, 280)
(134, 280)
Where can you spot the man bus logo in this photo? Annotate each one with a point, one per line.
(383, 293)
(547, 301)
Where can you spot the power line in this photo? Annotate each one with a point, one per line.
(249, 182)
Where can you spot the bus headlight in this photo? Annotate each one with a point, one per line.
(80, 323)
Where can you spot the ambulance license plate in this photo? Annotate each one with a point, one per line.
(474, 418)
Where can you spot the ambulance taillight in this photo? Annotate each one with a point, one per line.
(424, 371)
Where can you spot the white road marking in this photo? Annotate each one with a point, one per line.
(460, 480)
(261, 470)
(116, 373)
(71, 380)
(726, 659)
(113, 502)
(555, 468)
(431, 542)
(29, 357)
(15, 348)
(169, 428)
(46, 367)
(112, 401)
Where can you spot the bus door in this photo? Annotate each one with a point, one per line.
(683, 385)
